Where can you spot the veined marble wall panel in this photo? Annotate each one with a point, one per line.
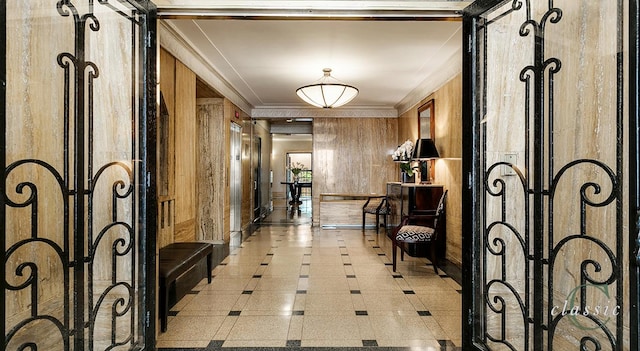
(185, 158)
(40, 45)
(34, 117)
(211, 157)
(352, 156)
(584, 127)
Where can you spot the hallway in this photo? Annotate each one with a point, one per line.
(294, 286)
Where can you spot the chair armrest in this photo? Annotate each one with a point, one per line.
(384, 197)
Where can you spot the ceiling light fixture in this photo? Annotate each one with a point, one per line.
(327, 92)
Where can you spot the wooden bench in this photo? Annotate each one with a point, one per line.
(176, 259)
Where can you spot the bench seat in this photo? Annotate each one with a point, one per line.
(174, 260)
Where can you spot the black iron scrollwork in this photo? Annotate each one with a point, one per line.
(527, 300)
(93, 235)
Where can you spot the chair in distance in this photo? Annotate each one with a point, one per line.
(420, 227)
(378, 206)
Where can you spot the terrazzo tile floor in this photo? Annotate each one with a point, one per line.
(294, 287)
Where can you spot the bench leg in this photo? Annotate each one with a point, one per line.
(164, 307)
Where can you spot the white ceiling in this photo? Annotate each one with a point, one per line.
(394, 62)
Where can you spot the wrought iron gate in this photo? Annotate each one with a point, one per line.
(549, 263)
(80, 90)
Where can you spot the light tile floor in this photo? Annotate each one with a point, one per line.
(296, 286)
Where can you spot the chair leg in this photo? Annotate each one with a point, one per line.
(363, 218)
(434, 256)
(377, 222)
(384, 218)
(395, 254)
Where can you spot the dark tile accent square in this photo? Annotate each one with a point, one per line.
(443, 276)
(397, 276)
(381, 254)
(409, 292)
(355, 292)
(257, 276)
(222, 264)
(376, 247)
(294, 343)
(344, 254)
(369, 343)
(247, 292)
(424, 313)
(306, 264)
(388, 264)
(297, 313)
(301, 291)
(307, 254)
(214, 344)
(269, 254)
(371, 240)
(304, 276)
(347, 264)
(264, 264)
(234, 313)
(173, 313)
(192, 292)
(342, 247)
(362, 313)
(350, 276)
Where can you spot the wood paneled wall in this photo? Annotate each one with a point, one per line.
(352, 155)
(448, 139)
(166, 162)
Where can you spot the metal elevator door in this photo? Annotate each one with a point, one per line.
(235, 179)
(549, 256)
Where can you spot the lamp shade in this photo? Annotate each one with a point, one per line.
(425, 149)
(328, 92)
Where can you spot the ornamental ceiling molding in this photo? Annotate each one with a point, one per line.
(287, 113)
(173, 42)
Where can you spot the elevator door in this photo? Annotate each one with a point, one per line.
(549, 257)
(235, 182)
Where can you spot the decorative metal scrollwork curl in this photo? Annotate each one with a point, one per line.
(27, 325)
(500, 309)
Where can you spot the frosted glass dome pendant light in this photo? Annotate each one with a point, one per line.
(327, 92)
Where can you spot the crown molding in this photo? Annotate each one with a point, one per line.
(182, 49)
(287, 113)
(432, 83)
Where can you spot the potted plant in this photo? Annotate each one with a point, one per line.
(296, 168)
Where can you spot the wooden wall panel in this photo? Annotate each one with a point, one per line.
(448, 169)
(352, 155)
(166, 201)
(448, 139)
(185, 157)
